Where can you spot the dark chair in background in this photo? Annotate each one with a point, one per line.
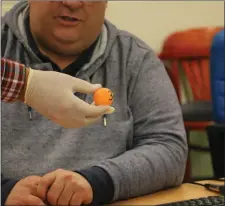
(216, 137)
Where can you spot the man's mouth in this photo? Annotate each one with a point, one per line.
(68, 18)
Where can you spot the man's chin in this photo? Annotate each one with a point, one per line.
(64, 51)
(66, 41)
(65, 38)
(63, 46)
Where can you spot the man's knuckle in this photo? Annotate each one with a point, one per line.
(68, 177)
(60, 170)
(82, 188)
(42, 185)
(43, 182)
(79, 186)
(31, 180)
(74, 182)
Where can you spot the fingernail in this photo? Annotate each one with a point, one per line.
(110, 110)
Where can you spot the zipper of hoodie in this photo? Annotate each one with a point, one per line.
(30, 113)
(104, 85)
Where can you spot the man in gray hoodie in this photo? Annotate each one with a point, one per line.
(139, 149)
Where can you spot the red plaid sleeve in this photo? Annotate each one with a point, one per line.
(12, 80)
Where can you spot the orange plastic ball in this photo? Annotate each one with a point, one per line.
(103, 96)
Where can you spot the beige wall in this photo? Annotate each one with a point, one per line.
(154, 20)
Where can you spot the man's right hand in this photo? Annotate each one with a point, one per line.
(52, 95)
(23, 193)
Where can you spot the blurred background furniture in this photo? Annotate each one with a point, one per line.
(216, 137)
(216, 131)
(186, 58)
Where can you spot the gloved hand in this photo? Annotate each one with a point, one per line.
(52, 95)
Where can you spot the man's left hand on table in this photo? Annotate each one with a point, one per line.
(63, 187)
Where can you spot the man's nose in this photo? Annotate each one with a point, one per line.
(72, 4)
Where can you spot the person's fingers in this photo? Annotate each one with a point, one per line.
(55, 191)
(76, 200)
(110, 111)
(45, 182)
(96, 111)
(85, 87)
(32, 180)
(33, 200)
(91, 120)
(67, 193)
(91, 110)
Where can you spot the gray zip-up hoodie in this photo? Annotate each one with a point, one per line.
(143, 147)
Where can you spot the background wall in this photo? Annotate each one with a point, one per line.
(154, 20)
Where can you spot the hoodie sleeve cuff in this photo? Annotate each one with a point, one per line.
(6, 187)
(101, 183)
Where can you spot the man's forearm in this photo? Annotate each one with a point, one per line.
(146, 169)
(13, 80)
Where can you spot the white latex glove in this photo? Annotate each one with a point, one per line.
(52, 95)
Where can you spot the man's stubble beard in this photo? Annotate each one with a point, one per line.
(55, 49)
